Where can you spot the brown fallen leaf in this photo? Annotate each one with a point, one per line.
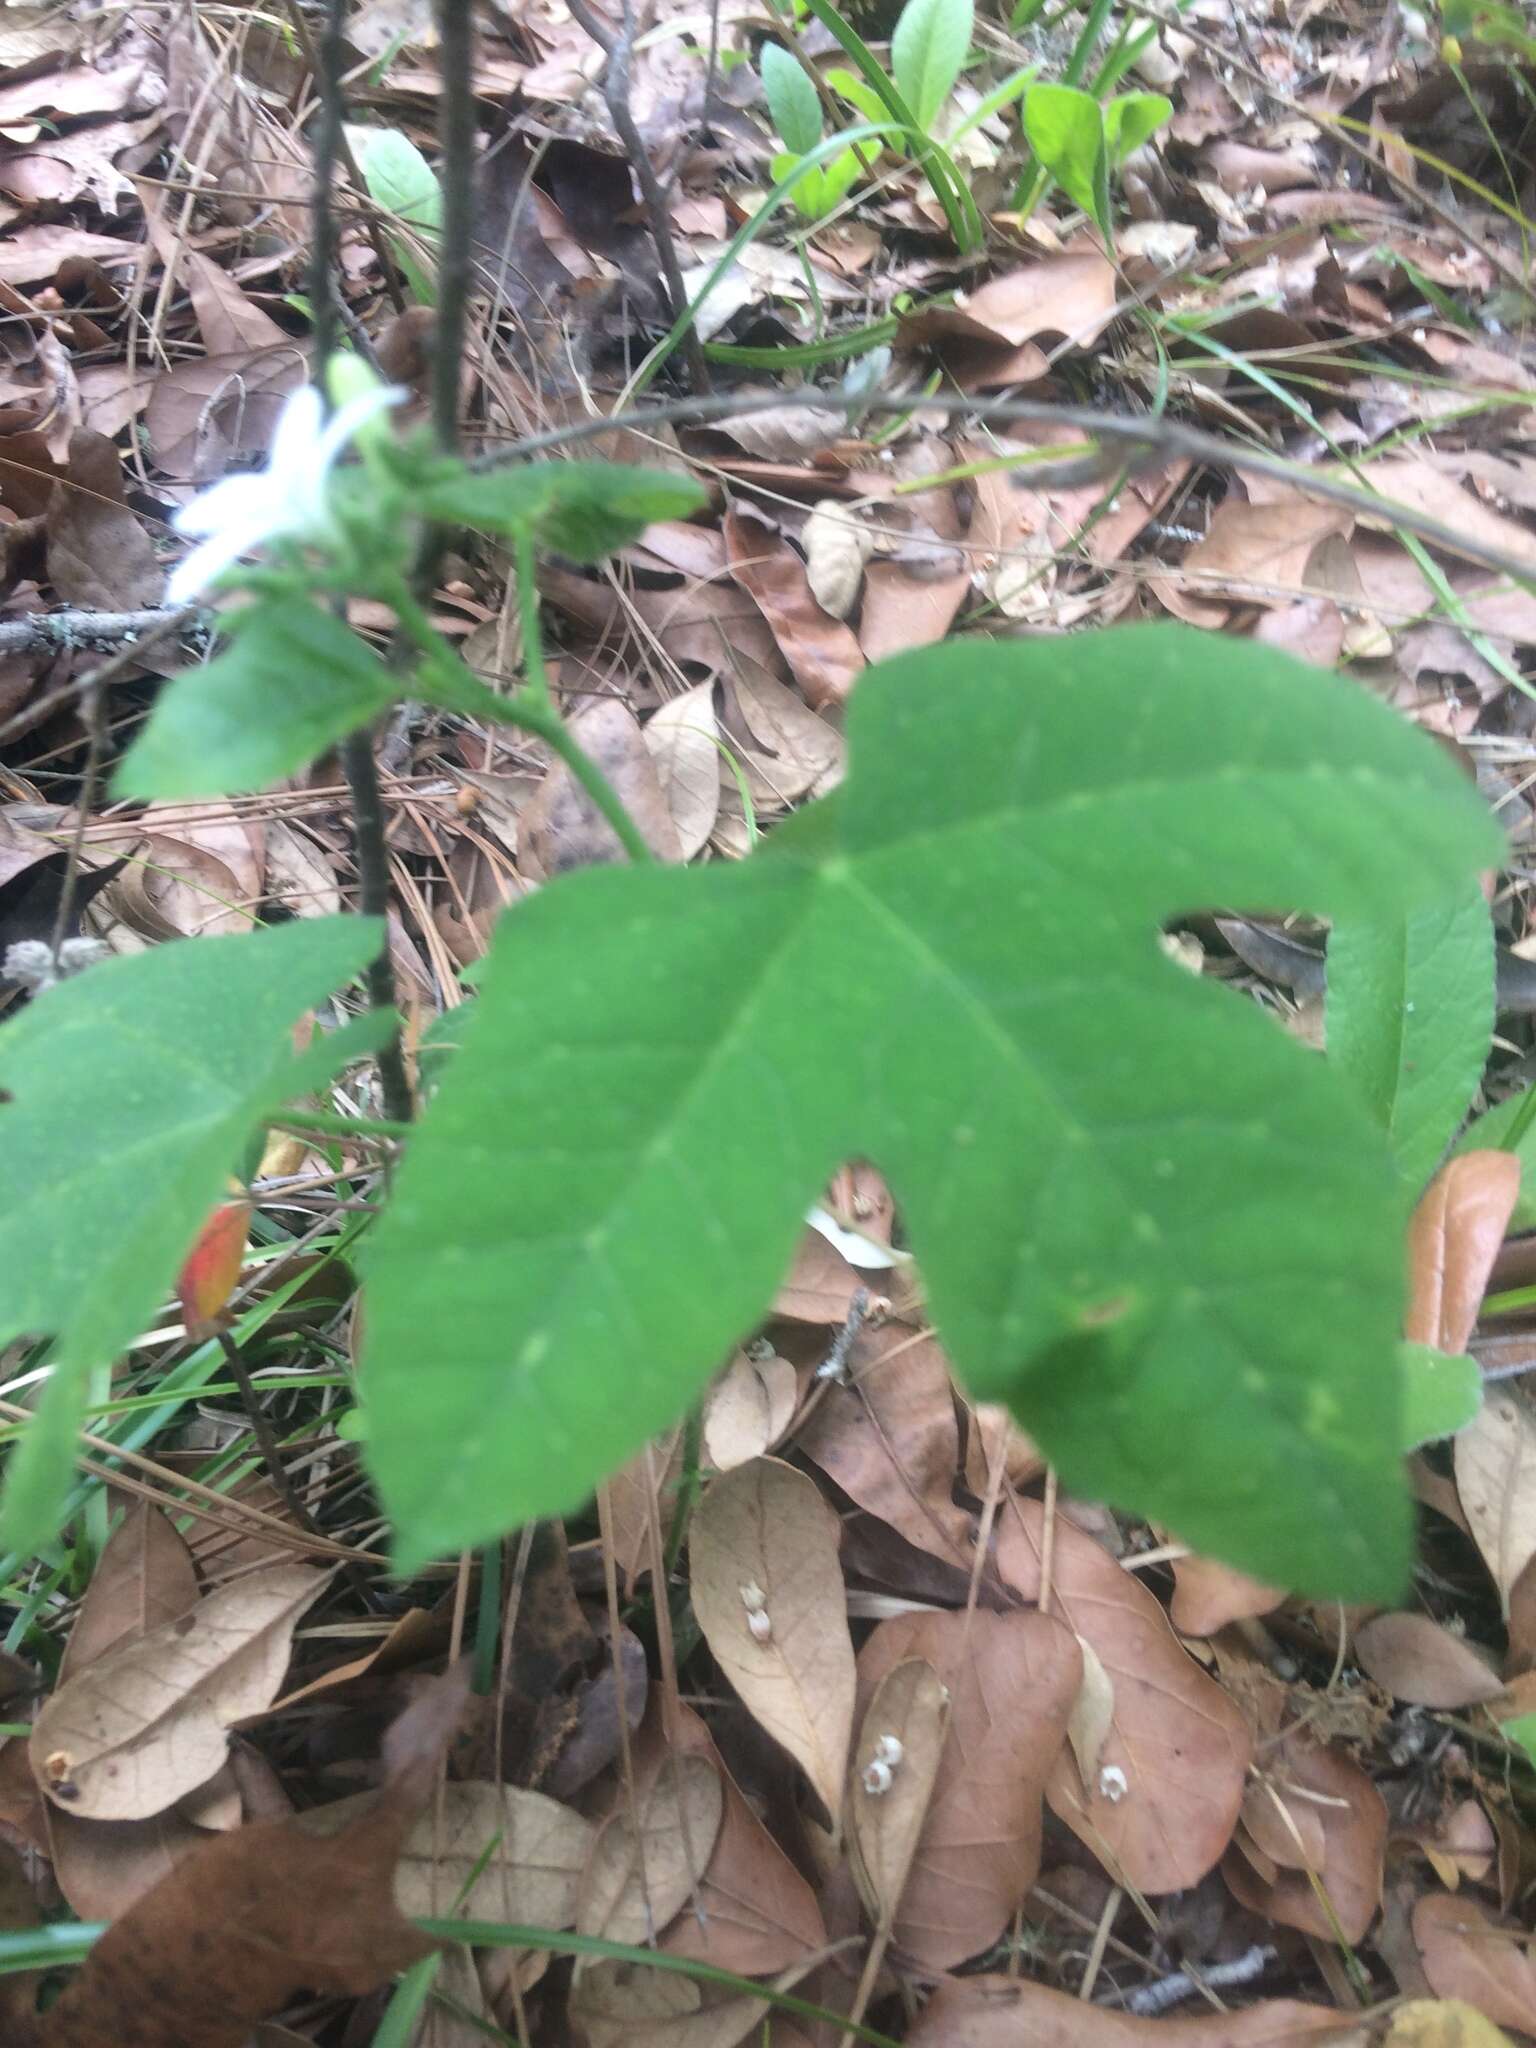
(1012, 1679)
(1301, 1774)
(683, 737)
(648, 1856)
(1071, 295)
(1468, 1954)
(891, 1442)
(1172, 1768)
(752, 1911)
(148, 1722)
(98, 553)
(1265, 552)
(626, 2005)
(281, 1907)
(768, 1594)
(1207, 1595)
(748, 1410)
(1453, 1238)
(1415, 1659)
(896, 1764)
(560, 827)
(18, 1912)
(1002, 2012)
(1495, 1465)
(823, 654)
(143, 1580)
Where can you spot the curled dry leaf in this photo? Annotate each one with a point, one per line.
(149, 1721)
(1177, 1740)
(749, 1409)
(1011, 1680)
(768, 1594)
(1002, 2012)
(891, 1442)
(649, 1855)
(1354, 1829)
(1495, 1462)
(823, 654)
(1453, 1238)
(280, 1907)
(684, 744)
(1208, 1595)
(626, 2005)
(1467, 1953)
(1415, 1659)
(895, 1767)
(837, 545)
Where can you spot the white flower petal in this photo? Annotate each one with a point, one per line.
(209, 560)
(243, 501)
(297, 431)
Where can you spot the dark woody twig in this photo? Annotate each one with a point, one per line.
(620, 49)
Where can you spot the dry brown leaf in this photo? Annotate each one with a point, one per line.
(98, 554)
(1459, 1844)
(647, 1858)
(896, 1764)
(1354, 1831)
(1171, 1772)
(1469, 1954)
(561, 828)
(890, 1439)
(768, 1594)
(627, 2005)
(144, 1579)
(837, 545)
(820, 1285)
(1002, 2012)
(748, 1410)
(785, 750)
(683, 737)
(1453, 1238)
(1495, 1462)
(1208, 1595)
(752, 1912)
(210, 411)
(1266, 550)
(1011, 1680)
(1071, 295)
(282, 1907)
(1415, 1659)
(824, 655)
(530, 1875)
(149, 1722)
(1423, 488)
(18, 1911)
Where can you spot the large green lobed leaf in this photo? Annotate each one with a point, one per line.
(1164, 1233)
(127, 1096)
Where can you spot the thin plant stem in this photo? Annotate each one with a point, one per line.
(359, 766)
(266, 1441)
(535, 674)
(456, 138)
(526, 712)
(327, 1126)
(93, 711)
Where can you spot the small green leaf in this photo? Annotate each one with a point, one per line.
(1410, 1016)
(792, 99)
(927, 51)
(293, 682)
(1521, 1730)
(1441, 1394)
(1065, 129)
(128, 1094)
(1131, 119)
(401, 181)
(1166, 1235)
(581, 509)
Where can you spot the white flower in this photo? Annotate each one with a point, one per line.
(288, 500)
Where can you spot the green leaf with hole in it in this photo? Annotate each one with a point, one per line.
(1163, 1232)
(126, 1095)
(581, 509)
(1440, 1394)
(1410, 1019)
(402, 183)
(293, 681)
(793, 104)
(1065, 128)
(927, 51)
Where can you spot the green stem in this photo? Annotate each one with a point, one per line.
(458, 690)
(525, 564)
